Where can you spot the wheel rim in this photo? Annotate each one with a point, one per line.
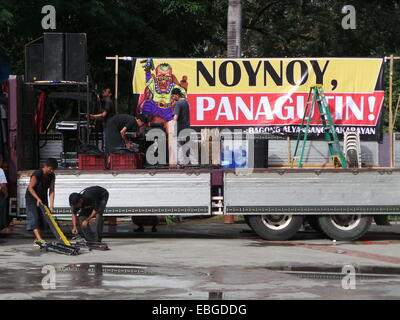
(346, 222)
(276, 222)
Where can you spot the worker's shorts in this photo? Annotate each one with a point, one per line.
(34, 217)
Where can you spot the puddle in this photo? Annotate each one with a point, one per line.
(103, 269)
(286, 243)
(337, 272)
(215, 295)
(123, 269)
(329, 243)
(151, 282)
(87, 280)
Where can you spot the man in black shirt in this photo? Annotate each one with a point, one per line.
(182, 119)
(107, 111)
(89, 203)
(116, 129)
(181, 110)
(42, 181)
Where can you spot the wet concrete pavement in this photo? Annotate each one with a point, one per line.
(204, 259)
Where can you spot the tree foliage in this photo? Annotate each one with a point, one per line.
(139, 28)
(197, 28)
(314, 28)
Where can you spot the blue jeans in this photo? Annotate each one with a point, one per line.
(34, 216)
(3, 212)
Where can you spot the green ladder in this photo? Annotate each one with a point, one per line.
(316, 95)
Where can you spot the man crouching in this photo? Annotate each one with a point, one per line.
(88, 204)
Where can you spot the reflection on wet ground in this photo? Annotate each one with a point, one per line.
(314, 273)
(335, 272)
(129, 281)
(215, 295)
(104, 281)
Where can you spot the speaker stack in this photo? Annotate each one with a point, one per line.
(53, 56)
(34, 62)
(75, 57)
(57, 57)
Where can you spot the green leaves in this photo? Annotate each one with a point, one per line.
(198, 28)
(183, 6)
(6, 17)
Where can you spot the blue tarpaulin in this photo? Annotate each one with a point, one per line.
(5, 67)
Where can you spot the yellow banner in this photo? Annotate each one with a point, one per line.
(276, 75)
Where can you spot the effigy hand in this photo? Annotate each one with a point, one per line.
(147, 64)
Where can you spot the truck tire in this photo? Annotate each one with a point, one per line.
(276, 227)
(344, 227)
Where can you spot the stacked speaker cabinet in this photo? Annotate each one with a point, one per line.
(56, 57)
(53, 56)
(33, 62)
(75, 57)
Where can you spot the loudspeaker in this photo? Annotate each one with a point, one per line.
(60, 57)
(75, 57)
(53, 56)
(34, 62)
(260, 153)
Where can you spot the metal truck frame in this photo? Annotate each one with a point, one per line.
(339, 202)
(275, 202)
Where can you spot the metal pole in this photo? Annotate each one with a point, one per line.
(234, 29)
(234, 37)
(116, 83)
(79, 114)
(395, 112)
(390, 110)
(87, 110)
(117, 58)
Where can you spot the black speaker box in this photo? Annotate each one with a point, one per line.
(34, 62)
(75, 57)
(260, 153)
(59, 57)
(53, 56)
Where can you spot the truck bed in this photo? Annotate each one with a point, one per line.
(260, 191)
(137, 192)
